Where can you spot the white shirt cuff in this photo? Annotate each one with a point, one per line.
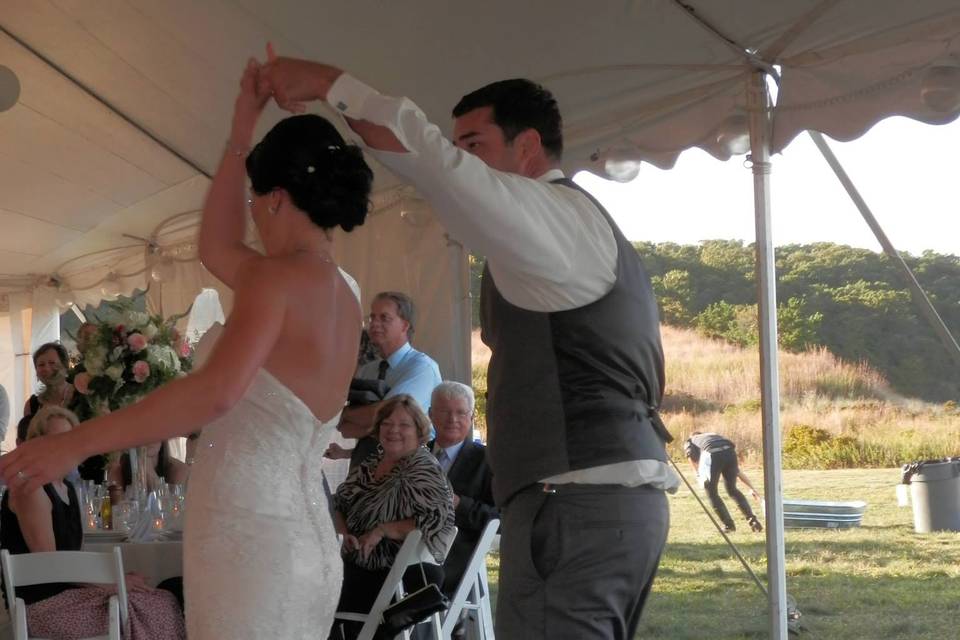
(348, 95)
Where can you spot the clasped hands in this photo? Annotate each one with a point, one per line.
(290, 82)
(366, 543)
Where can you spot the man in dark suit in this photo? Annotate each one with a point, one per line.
(464, 463)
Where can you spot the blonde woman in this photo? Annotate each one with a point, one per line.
(48, 519)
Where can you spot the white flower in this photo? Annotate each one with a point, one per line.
(135, 319)
(115, 371)
(93, 359)
(163, 357)
(149, 331)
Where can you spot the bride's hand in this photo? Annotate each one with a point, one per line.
(39, 461)
(293, 82)
(250, 101)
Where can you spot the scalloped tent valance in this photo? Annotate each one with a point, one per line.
(124, 107)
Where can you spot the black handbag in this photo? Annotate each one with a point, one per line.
(364, 391)
(412, 608)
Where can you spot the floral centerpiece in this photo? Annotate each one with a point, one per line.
(126, 356)
(123, 356)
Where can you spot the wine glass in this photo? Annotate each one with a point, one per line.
(125, 515)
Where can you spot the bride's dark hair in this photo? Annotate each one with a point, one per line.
(307, 157)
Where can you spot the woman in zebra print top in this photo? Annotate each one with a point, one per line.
(393, 491)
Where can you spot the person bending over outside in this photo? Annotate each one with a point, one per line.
(713, 457)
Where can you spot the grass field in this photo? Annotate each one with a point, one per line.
(881, 581)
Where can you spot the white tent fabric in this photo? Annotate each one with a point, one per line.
(125, 105)
(638, 80)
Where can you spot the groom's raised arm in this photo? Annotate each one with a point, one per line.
(294, 82)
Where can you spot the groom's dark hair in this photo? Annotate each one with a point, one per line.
(308, 158)
(519, 104)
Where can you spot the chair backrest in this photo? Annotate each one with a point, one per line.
(470, 587)
(424, 554)
(25, 569)
(412, 551)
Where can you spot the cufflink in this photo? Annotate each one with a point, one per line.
(341, 105)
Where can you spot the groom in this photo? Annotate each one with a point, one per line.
(576, 444)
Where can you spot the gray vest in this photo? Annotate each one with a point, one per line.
(573, 389)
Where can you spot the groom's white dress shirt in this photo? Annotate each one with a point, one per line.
(547, 246)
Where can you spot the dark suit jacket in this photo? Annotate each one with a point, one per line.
(471, 479)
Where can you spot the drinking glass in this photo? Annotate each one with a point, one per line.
(94, 510)
(125, 516)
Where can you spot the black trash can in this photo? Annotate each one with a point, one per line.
(935, 494)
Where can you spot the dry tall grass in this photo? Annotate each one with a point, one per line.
(713, 386)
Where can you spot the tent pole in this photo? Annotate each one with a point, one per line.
(757, 104)
(919, 296)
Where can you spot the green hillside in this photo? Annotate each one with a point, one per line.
(833, 414)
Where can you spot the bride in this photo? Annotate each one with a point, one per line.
(260, 553)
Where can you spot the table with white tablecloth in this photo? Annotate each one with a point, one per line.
(156, 561)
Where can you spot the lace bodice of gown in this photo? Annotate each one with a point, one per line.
(260, 552)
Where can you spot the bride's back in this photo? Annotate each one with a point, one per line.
(306, 181)
(316, 353)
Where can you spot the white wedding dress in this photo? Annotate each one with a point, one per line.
(261, 558)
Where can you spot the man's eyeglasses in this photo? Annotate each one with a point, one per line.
(453, 413)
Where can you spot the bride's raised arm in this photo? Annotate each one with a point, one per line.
(223, 227)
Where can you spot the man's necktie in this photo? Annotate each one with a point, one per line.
(443, 459)
(382, 370)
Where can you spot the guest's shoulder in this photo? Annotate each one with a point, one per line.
(419, 357)
(420, 461)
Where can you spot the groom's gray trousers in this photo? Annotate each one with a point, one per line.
(578, 563)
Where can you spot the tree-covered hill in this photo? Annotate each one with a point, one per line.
(853, 302)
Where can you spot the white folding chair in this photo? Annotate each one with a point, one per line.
(472, 595)
(413, 551)
(25, 569)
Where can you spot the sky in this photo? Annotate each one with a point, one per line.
(908, 173)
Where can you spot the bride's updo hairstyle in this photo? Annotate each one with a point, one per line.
(326, 178)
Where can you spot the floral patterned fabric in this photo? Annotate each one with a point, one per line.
(83, 612)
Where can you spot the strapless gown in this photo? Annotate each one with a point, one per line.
(261, 558)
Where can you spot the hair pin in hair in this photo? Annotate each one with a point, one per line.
(333, 147)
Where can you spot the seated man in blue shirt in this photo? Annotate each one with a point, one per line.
(400, 366)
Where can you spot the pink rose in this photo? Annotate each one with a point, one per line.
(136, 342)
(141, 370)
(82, 382)
(183, 349)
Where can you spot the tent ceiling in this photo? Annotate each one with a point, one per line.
(646, 78)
